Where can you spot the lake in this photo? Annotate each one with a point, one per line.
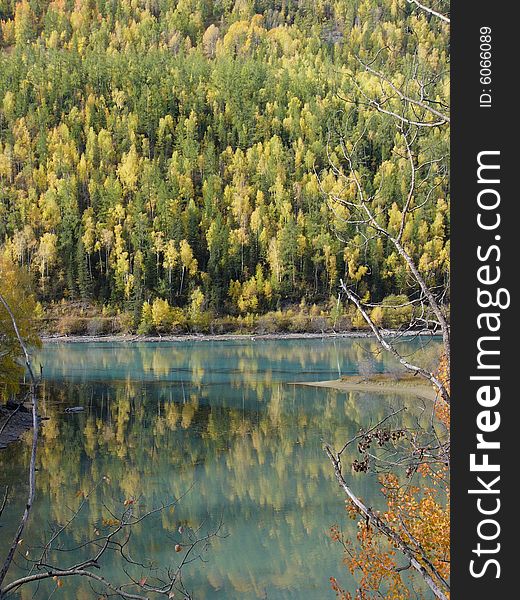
(220, 422)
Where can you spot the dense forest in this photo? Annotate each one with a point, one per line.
(208, 166)
(173, 159)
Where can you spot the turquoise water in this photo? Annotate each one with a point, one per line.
(222, 423)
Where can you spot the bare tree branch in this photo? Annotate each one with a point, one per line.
(362, 206)
(115, 540)
(443, 118)
(4, 500)
(429, 10)
(32, 466)
(390, 347)
(427, 573)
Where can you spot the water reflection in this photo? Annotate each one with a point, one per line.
(224, 417)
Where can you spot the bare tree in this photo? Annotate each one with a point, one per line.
(55, 561)
(415, 109)
(370, 219)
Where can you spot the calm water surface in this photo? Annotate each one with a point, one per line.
(223, 420)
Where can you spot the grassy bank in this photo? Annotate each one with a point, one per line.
(160, 319)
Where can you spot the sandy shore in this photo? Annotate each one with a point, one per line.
(133, 338)
(382, 384)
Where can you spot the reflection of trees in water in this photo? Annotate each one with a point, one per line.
(237, 363)
(253, 450)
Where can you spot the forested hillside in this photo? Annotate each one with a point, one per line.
(187, 151)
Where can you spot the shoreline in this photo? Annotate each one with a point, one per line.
(381, 383)
(200, 337)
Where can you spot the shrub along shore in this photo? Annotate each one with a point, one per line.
(159, 320)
